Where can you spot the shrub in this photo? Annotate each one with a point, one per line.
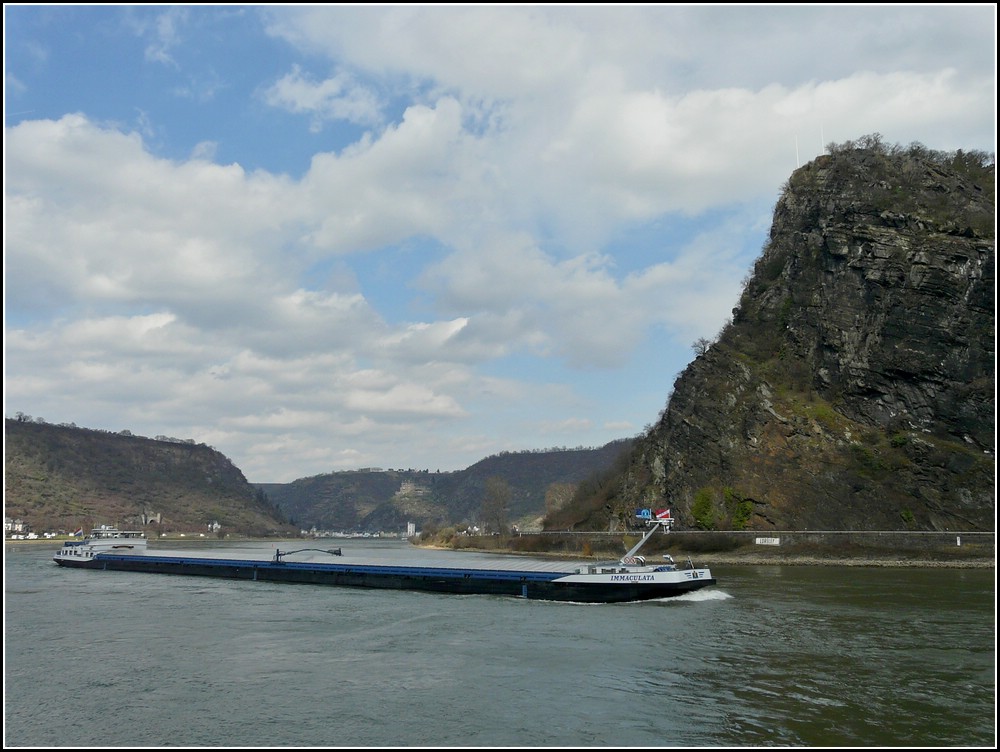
(702, 511)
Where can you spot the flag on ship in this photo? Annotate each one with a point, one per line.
(78, 531)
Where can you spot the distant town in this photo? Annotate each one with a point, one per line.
(16, 529)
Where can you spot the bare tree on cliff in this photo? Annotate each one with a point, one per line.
(496, 502)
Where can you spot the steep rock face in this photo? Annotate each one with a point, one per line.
(855, 386)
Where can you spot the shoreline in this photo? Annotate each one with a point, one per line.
(861, 561)
(887, 559)
(756, 558)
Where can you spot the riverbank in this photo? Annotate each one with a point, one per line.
(792, 560)
(751, 559)
(760, 559)
(974, 551)
(971, 556)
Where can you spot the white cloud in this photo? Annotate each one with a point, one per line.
(336, 98)
(205, 151)
(423, 176)
(163, 34)
(407, 399)
(93, 217)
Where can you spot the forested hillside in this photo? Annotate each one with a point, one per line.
(64, 477)
(534, 482)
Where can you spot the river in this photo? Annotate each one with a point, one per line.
(770, 656)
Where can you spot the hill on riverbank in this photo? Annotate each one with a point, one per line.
(64, 477)
(60, 477)
(854, 387)
(535, 482)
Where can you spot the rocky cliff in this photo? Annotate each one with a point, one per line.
(855, 385)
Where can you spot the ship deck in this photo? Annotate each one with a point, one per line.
(407, 557)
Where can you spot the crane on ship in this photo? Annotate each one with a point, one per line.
(278, 553)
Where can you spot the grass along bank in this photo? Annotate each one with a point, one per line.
(831, 548)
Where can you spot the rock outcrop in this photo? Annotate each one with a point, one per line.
(855, 385)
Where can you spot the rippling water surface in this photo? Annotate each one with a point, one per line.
(771, 656)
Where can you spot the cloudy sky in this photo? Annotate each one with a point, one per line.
(323, 238)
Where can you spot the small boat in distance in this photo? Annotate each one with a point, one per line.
(103, 539)
(629, 579)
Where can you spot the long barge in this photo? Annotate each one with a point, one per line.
(611, 582)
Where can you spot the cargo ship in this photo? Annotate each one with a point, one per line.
(629, 579)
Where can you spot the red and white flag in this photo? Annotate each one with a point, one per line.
(663, 514)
